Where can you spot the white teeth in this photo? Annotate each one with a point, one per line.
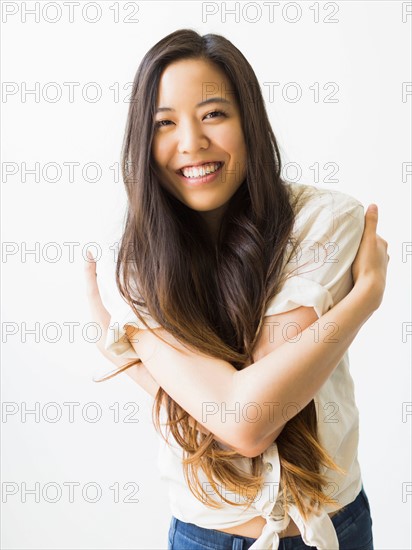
(196, 171)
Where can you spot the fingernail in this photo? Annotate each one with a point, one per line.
(373, 207)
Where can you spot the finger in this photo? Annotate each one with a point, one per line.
(97, 309)
(90, 275)
(371, 217)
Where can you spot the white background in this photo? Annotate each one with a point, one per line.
(366, 133)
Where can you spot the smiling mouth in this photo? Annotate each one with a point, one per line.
(200, 171)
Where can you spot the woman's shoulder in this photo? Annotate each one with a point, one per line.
(310, 197)
(324, 214)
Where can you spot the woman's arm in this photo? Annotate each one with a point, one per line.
(267, 341)
(224, 399)
(245, 407)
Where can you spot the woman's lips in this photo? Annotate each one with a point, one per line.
(200, 180)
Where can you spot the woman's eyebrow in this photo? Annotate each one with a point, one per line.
(205, 102)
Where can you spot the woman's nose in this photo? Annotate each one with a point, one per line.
(191, 138)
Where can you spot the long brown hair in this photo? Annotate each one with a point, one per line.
(213, 296)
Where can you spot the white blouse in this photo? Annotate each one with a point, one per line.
(329, 229)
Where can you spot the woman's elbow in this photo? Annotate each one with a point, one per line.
(245, 441)
(234, 438)
(255, 444)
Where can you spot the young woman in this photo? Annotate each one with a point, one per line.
(242, 294)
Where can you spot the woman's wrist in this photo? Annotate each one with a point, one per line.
(365, 294)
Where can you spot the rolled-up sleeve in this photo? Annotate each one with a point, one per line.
(117, 342)
(327, 231)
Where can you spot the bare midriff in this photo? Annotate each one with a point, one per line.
(253, 528)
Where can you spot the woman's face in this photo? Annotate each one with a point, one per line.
(190, 131)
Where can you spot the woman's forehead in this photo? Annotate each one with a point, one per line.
(193, 80)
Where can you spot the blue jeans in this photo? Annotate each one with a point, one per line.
(353, 528)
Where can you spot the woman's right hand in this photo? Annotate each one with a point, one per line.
(371, 262)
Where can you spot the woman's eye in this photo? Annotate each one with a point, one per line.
(219, 113)
(162, 123)
(159, 123)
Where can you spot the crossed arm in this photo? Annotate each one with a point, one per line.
(270, 337)
(283, 372)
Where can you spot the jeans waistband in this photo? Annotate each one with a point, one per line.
(220, 539)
